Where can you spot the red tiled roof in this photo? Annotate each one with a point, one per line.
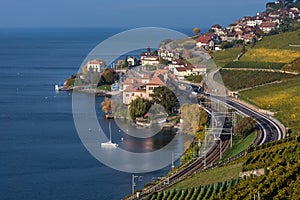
(203, 39)
(156, 81)
(180, 69)
(95, 62)
(129, 88)
(268, 24)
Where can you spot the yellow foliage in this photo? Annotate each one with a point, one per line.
(106, 105)
(283, 99)
(270, 55)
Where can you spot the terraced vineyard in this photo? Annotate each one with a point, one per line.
(280, 161)
(281, 179)
(241, 79)
(254, 65)
(195, 193)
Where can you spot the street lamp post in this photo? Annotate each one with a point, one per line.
(133, 184)
(172, 160)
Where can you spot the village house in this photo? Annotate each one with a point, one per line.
(136, 81)
(148, 59)
(205, 42)
(138, 88)
(95, 65)
(217, 28)
(266, 27)
(168, 54)
(175, 64)
(182, 72)
(132, 61)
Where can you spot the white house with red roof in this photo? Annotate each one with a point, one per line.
(266, 27)
(95, 65)
(181, 72)
(206, 42)
(148, 59)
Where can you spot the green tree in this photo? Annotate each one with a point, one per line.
(125, 63)
(244, 127)
(108, 76)
(138, 107)
(166, 98)
(154, 53)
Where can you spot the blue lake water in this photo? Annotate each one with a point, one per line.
(41, 155)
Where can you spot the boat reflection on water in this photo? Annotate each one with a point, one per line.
(109, 144)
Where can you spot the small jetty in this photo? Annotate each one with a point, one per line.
(58, 88)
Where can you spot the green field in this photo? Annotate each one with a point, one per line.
(239, 145)
(241, 79)
(104, 87)
(226, 56)
(211, 176)
(282, 98)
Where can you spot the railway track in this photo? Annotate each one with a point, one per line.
(267, 131)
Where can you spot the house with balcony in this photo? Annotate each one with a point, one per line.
(205, 42)
(138, 88)
(148, 59)
(266, 27)
(95, 65)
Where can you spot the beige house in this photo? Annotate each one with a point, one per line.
(181, 72)
(139, 89)
(266, 27)
(150, 60)
(95, 65)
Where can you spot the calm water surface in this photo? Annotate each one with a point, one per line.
(41, 155)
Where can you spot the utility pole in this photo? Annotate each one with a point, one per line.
(199, 144)
(133, 183)
(204, 152)
(220, 148)
(231, 137)
(172, 160)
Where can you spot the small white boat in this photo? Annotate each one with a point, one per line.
(109, 144)
(56, 88)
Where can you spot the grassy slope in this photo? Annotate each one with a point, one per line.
(294, 66)
(210, 176)
(239, 145)
(282, 98)
(280, 41)
(223, 57)
(275, 49)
